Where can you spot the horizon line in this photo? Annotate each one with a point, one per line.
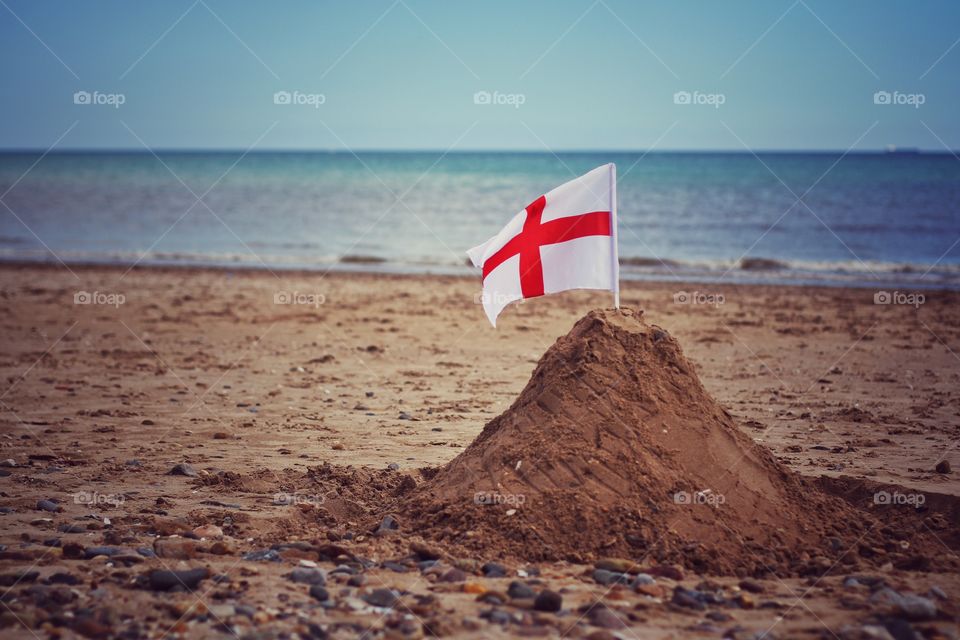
(891, 150)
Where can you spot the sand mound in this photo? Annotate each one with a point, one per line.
(615, 448)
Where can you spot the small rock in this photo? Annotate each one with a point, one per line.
(388, 525)
(454, 575)
(210, 531)
(606, 578)
(666, 571)
(549, 601)
(175, 548)
(604, 618)
(182, 469)
(49, 505)
(319, 593)
(425, 551)
(518, 590)
(306, 575)
(943, 467)
(494, 570)
(751, 586)
(164, 580)
(617, 565)
(384, 598)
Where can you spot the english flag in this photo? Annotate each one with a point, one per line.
(566, 239)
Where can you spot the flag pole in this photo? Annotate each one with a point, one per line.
(613, 235)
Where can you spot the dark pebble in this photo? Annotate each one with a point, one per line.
(182, 469)
(389, 524)
(319, 593)
(518, 590)
(164, 580)
(49, 505)
(307, 575)
(751, 586)
(384, 598)
(943, 467)
(549, 601)
(454, 575)
(264, 555)
(494, 570)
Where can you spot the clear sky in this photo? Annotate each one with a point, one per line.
(403, 74)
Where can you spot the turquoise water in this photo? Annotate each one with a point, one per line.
(867, 218)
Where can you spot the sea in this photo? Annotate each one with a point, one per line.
(885, 219)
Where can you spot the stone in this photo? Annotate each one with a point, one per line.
(494, 570)
(49, 505)
(425, 551)
(164, 579)
(605, 619)
(909, 606)
(666, 571)
(307, 575)
(548, 601)
(751, 585)
(318, 592)
(93, 552)
(175, 548)
(182, 469)
(520, 590)
(453, 575)
(384, 598)
(606, 578)
(943, 467)
(688, 598)
(210, 531)
(388, 525)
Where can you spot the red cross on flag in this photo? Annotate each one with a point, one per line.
(566, 239)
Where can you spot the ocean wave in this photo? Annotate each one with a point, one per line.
(745, 270)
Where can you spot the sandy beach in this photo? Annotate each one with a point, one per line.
(203, 415)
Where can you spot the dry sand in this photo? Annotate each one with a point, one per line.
(270, 402)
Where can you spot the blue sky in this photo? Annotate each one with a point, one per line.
(403, 74)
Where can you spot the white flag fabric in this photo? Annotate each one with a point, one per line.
(565, 239)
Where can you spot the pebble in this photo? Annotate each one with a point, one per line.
(751, 586)
(520, 590)
(175, 548)
(264, 555)
(549, 601)
(384, 598)
(164, 579)
(943, 467)
(388, 525)
(910, 606)
(643, 579)
(93, 552)
(358, 580)
(606, 578)
(182, 469)
(604, 618)
(453, 575)
(49, 505)
(494, 570)
(306, 575)
(9, 462)
(210, 531)
(393, 466)
(318, 592)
